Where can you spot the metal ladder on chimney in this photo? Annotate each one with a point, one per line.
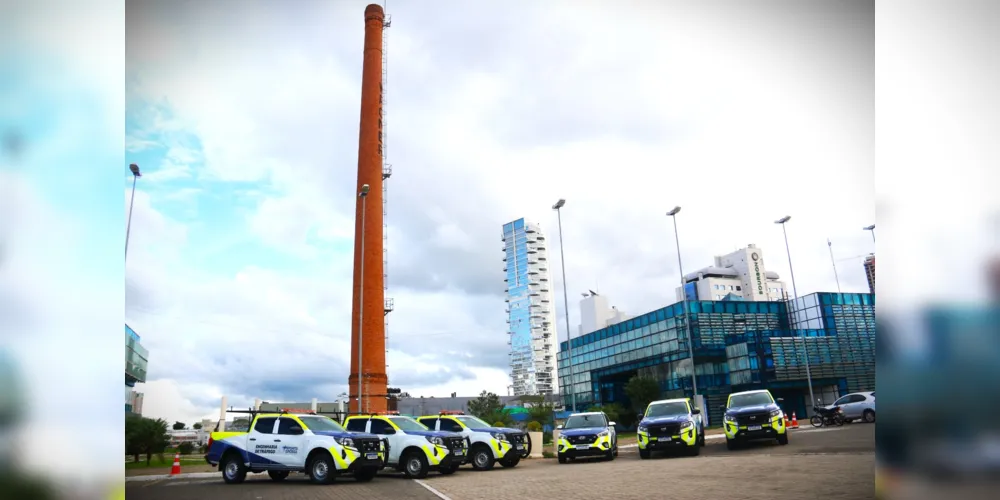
(386, 174)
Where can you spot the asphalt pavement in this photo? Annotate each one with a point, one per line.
(838, 462)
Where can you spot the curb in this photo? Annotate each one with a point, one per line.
(723, 436)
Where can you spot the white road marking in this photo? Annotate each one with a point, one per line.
(437, 493)
(723, 436)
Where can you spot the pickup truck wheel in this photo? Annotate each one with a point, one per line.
(233, 470)
(482, 457)
(694, 451)
(643, 454)
(277, 475)
(365, 475)
(783, 438)
(321, 469)
(562, 459)
(731, 444)
(451, 469)
(510, 460)
(415, 465)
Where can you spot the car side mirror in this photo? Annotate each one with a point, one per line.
(559, 427)
(640, 416)
(611, 424)
(695, 411)
(779, 399)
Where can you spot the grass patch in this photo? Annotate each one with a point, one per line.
(626, 435)
(548, 454)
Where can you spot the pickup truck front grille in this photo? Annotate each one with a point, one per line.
(659, 430)
(754, 418)
(454, 443)
(367, 445)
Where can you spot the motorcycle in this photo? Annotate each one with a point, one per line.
(827, 416)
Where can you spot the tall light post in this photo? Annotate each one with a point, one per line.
(872, 229)
(834, 262)
(687, 318)
(361, 292)
(569, 340)
(128, 226)
(795, 296)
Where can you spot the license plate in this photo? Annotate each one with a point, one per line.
(667, 439)
(520, 447)
(459, 452)
(753, 428)
(372, 456)
(583, 446)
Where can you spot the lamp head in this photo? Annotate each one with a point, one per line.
(783, 219)
(869, 228)
(674, 211)
(364, 190)
(135, 170)
(559, 204)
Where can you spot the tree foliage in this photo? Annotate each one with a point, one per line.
(489, 408)
(615, 412)
(642, 391)
(185, 448)
(196, 426)
(179, 426)
(145, 436)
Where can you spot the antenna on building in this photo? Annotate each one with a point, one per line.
(834, 262)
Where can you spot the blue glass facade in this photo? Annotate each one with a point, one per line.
(737, 346)
(136, 358)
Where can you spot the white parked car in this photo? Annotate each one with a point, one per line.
(857, 406)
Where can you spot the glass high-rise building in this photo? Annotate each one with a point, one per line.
(136, 357)
(531, 312)
(738, 346)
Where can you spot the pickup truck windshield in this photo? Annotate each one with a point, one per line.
(321, 424)
(752, 399)
(408, 424)
(473, 422)
(667, 409)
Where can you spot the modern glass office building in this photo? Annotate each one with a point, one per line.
(136, 360)
(531, 312)
(738, 346)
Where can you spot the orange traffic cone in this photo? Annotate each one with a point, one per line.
(795, 421)
(176, 469)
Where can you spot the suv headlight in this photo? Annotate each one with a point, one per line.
(499, 436)
(643, 428)
(729, 418)
(603, 433)
(435, 440)
(775, 413)
(687, 425)
(348, 442)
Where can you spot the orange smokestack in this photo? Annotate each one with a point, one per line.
(368, 227)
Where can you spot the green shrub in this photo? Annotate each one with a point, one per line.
(185, 448)
(499, 424)
(547, 437)
(534, 427)
(548, 454)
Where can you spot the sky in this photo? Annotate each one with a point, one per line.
(245, 125)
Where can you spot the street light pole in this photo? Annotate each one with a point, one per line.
(687, 317)
(795, 296)
(569, 340)
(361, 293)
(872, 229)
(128, 226)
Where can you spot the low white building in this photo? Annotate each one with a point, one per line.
(595, 313)
(741, 275)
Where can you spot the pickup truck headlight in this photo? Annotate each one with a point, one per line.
(348, 442)
(435, 440)
(775, 413)
(729, 418)
(643, 429)
(499, 436)
(687, 425)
